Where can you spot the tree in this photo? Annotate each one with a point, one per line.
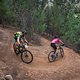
(2, 12)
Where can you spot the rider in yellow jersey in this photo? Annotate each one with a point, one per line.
(19, 38)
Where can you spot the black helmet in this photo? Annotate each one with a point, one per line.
(56, 36)
(24, 32)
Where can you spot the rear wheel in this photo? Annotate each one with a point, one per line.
(51, 56)
(16, 49)
(27, 56)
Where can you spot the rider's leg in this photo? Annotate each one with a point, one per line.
(55, 49)
(54, 46)
(14, 45)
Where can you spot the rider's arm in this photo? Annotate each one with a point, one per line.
(61, 41)
(18, 40)
(25, 40)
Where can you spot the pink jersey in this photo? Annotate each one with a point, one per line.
(56, 40)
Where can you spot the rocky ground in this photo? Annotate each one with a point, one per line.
(67, 68)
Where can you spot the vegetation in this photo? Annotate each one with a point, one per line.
(60, 17)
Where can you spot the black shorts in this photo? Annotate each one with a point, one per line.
(53, 45)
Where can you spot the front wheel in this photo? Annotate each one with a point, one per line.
(62, 52)
(51, 56)
(27, 56)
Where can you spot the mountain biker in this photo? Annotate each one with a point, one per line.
(19, 38)
(55, 42)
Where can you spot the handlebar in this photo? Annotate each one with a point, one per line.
(60, 45)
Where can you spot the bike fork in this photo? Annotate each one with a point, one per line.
(56, 54)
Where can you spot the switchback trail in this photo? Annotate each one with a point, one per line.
(67, 68)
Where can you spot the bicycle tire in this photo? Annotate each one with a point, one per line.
(62, 52)
(16, 50)
(28, 54)
(50, 58)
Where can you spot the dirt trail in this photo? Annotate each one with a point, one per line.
(67, 68)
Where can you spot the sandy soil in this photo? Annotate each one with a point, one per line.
(67, 68)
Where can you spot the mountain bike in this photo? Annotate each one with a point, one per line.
(26, 55)
(52, 56)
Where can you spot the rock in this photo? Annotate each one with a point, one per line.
(8, 77)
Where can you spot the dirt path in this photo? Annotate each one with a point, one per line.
(67, 68)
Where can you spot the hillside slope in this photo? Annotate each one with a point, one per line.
(67, 68)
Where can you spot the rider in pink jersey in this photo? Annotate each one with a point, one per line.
(55, 41)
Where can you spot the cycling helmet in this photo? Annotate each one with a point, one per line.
(24, 32)
(56, 36)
